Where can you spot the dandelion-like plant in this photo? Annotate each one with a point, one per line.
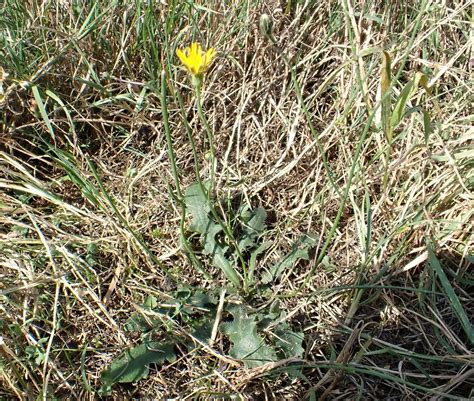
(196, 61)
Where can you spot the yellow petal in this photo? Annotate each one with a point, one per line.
(181, 55)
(193, 63)
(210, 54)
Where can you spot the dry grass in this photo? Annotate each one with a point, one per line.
(82, 246)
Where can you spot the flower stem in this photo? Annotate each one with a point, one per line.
(210, 137)
(183, 239)
(227, 230)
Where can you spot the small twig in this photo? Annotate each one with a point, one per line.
(220, 309)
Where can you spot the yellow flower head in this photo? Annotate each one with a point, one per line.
(195, 59)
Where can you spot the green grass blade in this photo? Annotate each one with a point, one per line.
(409, 89)
(385, 85)
(451, 295)
(42, 110)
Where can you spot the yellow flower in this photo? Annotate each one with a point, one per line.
(195, 59)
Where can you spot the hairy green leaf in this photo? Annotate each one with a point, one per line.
(253, 259)
(133, 364)
(247, 344)
(218, 250)
(300, 250)
(253, 226)
(199, 207)
(219, 260)
(211, 244)
(202, 330)
(288, 341)
(139, 323)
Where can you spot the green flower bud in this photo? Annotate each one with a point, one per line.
(266, 26)
(196, 80)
